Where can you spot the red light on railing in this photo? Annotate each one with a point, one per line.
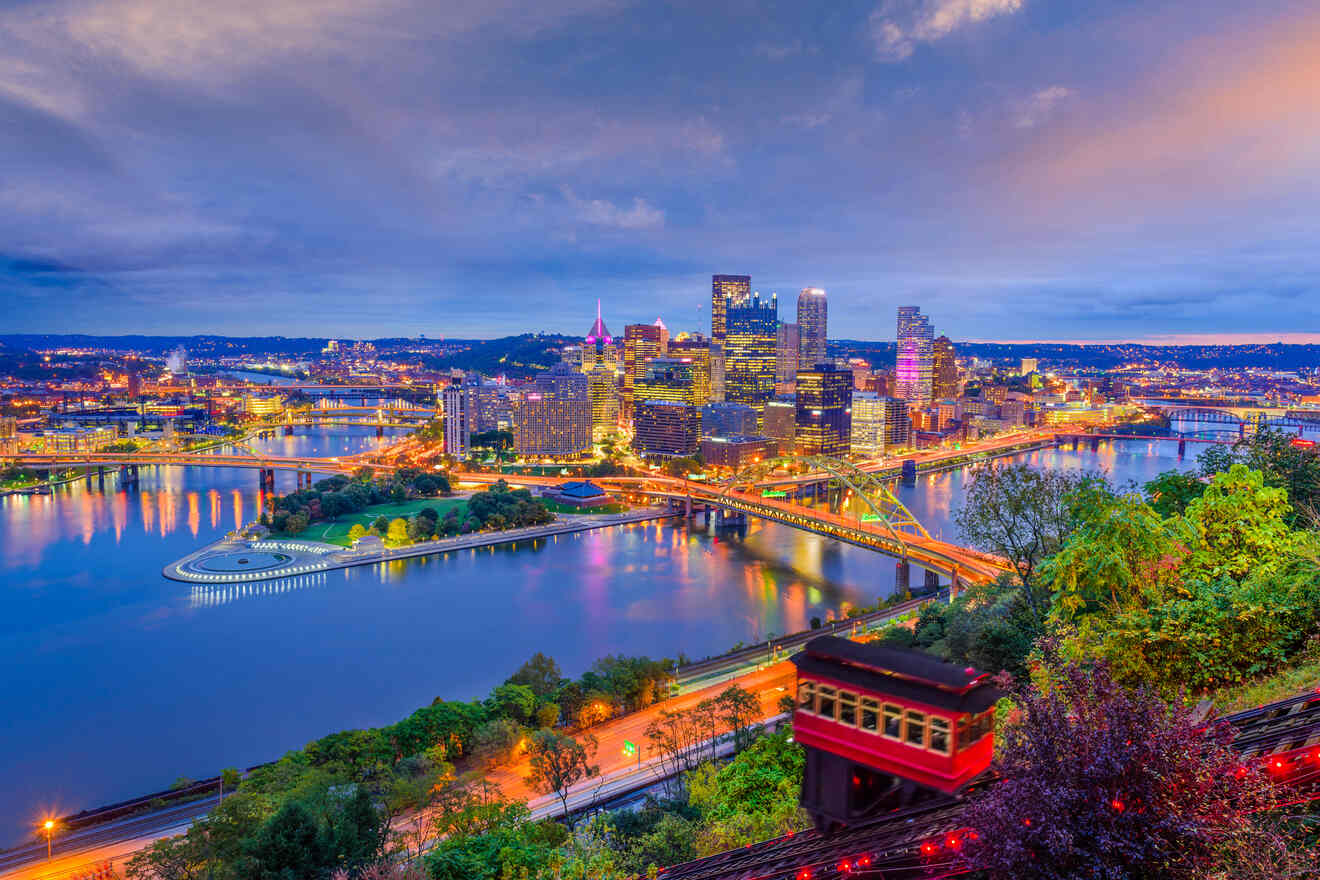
(952, 842)
(1117, 805)
(864, 861)
(973, 836)
(929, 848)
(804, 874)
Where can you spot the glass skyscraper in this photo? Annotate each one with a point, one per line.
(823, 422)
(811, 317)
(749, 355)
(914, 369)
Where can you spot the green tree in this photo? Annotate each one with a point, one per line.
(514, 701)
(739, 711)
(290, 846)
(753, 797)
(540, 673)
(356, 533)
(557, 762)
(1241, 524)
(1120, 552)
(1023, 515)
(547, 715)
(495, 741)
(1171, 492)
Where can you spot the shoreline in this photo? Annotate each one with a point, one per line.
(313, 557)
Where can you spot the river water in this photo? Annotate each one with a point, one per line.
(118, 681)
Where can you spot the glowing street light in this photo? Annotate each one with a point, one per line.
(49, 827)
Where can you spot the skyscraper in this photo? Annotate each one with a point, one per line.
(458, 428)
(641, 342)
(879, 424)
(823, 421)
(724, 291)
(914, 366)
(787, 354)
(600, 365)
(753, 332)
(811, 317)
(695, 348)
(944, 364)
(667, 429)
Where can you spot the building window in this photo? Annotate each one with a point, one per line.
(893, 721)
(914, 730)
(939, 735)
(807, 696)
(825, 703)
(847, 708)
(870, 715)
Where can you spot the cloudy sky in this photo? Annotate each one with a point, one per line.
(1024, 169)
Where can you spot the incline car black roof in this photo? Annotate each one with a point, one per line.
(907, 674)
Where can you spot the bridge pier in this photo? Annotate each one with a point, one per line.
(380, 431)
(288, 430)
(1095, 444)
(1182, 447)
(266, 480)
(932, 582)
(909, 472)
(953, 584)
(902, 576)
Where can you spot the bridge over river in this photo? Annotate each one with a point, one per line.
(879, 521)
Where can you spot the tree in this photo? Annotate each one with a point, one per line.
(547, 715)
(557, 762)
(739, 711)
(289, 846)
(1172, 491)
(495, 741)
(753, 797)
(1099, 781)
(514, 701)
(1021, 514)
(229, 779)
(397, 532)
(1241, 525)
(540, 673)
(356, 533)
(381, 524)
(1120, 552)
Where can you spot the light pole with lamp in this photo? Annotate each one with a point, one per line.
(49, 828)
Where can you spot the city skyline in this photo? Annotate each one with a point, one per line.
(251, 168)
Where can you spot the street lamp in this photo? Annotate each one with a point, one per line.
(49, 827)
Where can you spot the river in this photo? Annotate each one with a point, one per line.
(118, 681)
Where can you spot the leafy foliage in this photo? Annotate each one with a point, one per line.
(1100, 781)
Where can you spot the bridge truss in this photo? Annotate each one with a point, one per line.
(887, 511)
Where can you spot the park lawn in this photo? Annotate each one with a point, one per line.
(336, 531)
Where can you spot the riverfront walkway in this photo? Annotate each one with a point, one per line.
(233, 560)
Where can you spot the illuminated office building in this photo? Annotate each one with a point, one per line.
(823, 421)
(880, 424)
(811, 315)
(914, 367)
(780, 424)
(665, 428)
(944, 365)
(641, 342)
(695, 348)
(787, 353)
(601, 367)
(749, 355)
(552, 419)
(669, 380)
(725, 290)
(727, 420)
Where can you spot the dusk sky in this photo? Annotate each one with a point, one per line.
(1022, 169)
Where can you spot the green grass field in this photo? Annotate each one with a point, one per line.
(336, 531)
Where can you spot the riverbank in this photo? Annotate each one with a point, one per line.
(234, 560)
